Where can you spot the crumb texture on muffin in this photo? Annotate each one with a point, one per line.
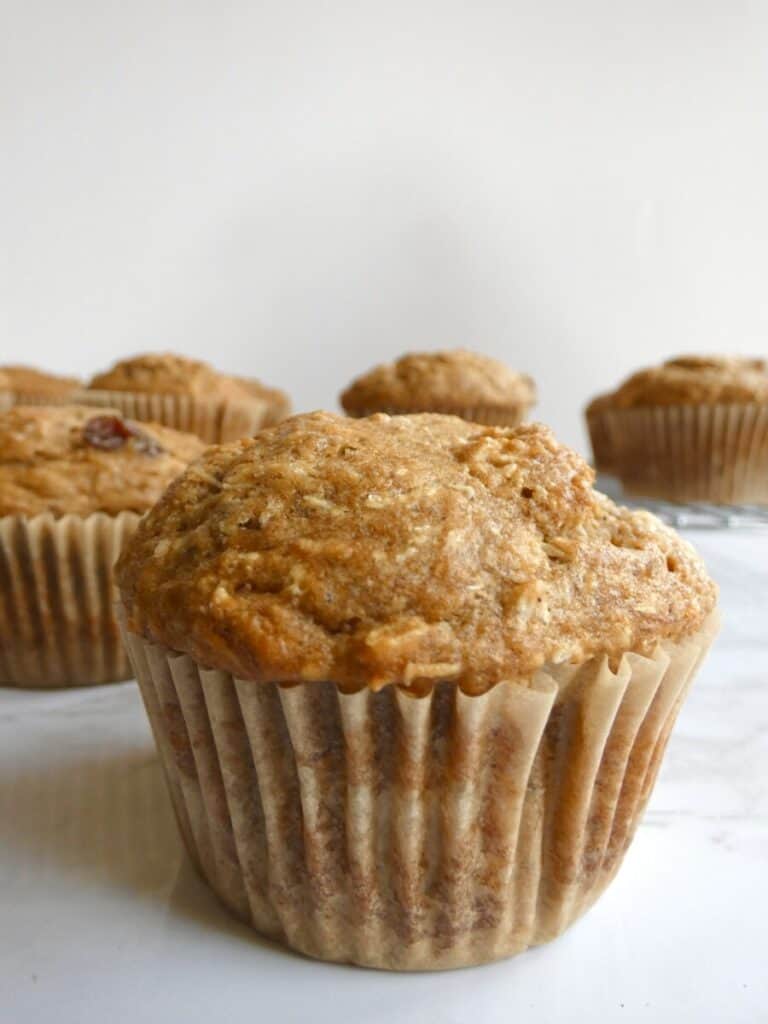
(403, 550)
(72, 459)
(29, 378)
(439, 379)
(171, 374)
(691, 380)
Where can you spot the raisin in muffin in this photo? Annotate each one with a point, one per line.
(74, 482)
(460, 383)
(411, 679)
(692, 429)
(30, 386)
(186, 394)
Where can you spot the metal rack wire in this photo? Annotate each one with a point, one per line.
(693, 516)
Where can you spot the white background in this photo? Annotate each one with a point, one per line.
(299, 189)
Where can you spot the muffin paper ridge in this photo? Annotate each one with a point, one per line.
(712, 453)
(413, 833)
(215, 421)
(57, 619)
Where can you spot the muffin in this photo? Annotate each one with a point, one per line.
(29, 386)
(73, 484)
(692, 429)
(185, 394)
(411, 679)
(459, 383)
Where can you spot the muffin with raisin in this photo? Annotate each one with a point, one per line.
(74, 482)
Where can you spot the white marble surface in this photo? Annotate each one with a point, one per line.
(104, 921)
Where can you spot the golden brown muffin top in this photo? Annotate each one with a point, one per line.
(406, 550)
(690, 380)
(28, 378)
(64, 459)
(438, 380)
(166, 373)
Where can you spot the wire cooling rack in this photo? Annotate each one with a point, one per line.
(693, 516)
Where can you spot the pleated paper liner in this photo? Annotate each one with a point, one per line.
(413, 833)
(215, 421)
(600, 440)
(493, 416)
(6, 400)
(57, 618)
(25, 396)
(708, 453)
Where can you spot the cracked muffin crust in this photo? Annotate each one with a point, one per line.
(439, 382)
(73, 459)
(403, 550)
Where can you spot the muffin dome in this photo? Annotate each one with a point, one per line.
(438, 381)
(691, 380)
(72, 459)
(169, 374)
(403, 550)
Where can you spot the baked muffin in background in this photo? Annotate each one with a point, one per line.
(460, 383)
(693, 429)
(31, 386)
(411, 679)
(183, 393)
(74, 482)
(599, 435)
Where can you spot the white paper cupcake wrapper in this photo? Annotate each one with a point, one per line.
(214, 421)
(57, 619)
(711, 453)
(413, 833)
(510, 416)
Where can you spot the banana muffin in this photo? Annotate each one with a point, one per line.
(693, 429)
(460, 383)
(30, 386)
(186, 394)
(411, 679)
(74, 482)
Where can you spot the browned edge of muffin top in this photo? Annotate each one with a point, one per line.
(72, 459)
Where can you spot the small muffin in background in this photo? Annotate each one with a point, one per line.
(183, 393)
(425, 675)
(693, 429)
(458, 383)
(30, 386)
(74, 482)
